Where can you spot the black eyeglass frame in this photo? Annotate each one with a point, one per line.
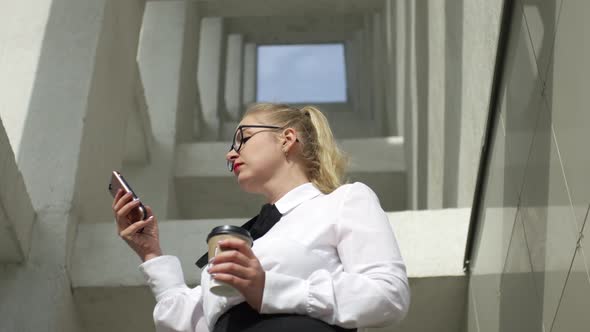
(240, 129)
(242, 141)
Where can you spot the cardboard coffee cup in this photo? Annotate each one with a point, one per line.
(218, 234)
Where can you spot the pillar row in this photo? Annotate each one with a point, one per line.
(209, 74)
(250, 67)
(233, 75)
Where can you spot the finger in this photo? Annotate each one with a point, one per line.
(231, 256)
(123, 200)
(135, 227)
(232, 280)
(126, 210)
(233, 269)
(117, 197)
(239, 245)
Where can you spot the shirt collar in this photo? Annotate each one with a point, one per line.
(296, 196)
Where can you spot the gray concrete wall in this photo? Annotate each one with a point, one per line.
(441, 59)
(57, 114)
(530, 267)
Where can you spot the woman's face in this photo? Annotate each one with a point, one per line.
(260, 155)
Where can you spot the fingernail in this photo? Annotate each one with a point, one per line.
(222, 242)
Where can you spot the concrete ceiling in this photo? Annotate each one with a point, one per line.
(236, 8)
(295, 29)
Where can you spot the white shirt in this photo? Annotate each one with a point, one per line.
(332, 257)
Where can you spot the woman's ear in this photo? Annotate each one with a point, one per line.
(289, 138)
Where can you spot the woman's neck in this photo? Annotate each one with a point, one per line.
(276, 189)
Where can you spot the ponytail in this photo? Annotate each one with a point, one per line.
(331, 161)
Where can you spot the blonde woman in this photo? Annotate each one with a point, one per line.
(324, 256)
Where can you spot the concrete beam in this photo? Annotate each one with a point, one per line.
(160, 62)
(106, 280)
(16, 210)
(139, 136)
(239, 8)
(294, 29)
(378, 162)
(116, 103)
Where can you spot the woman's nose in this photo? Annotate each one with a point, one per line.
(231, 155)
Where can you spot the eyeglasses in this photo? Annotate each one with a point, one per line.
(239, 140)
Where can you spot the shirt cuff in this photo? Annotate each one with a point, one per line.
(163, 273)
(284, 294)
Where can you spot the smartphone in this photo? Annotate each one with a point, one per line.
(118, 182)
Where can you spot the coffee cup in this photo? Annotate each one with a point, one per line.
(218, 234)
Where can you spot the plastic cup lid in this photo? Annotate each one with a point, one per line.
(229, 229)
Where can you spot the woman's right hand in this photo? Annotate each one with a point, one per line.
(145, 243)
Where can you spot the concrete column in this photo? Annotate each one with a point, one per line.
(366, 71)
(410, 107)
(233, 75)
(422, 81)
(367, 68)
(64, 80)
(189, 118)
(390, 63)
(249, 77)
(436, 104)
(351, 73)
(378, 73)
(401, 62)
(209, 74)
(359, 70)
(479, 42)
(160, 62)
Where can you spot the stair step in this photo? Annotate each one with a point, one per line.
(344, 125)
(206, 189)
(111, 294)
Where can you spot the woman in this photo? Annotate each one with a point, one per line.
(330, 264)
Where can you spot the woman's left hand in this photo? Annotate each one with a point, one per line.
(241, 269)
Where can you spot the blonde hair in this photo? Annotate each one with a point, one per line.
(325, 163)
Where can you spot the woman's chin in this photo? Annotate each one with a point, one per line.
(246, 183)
